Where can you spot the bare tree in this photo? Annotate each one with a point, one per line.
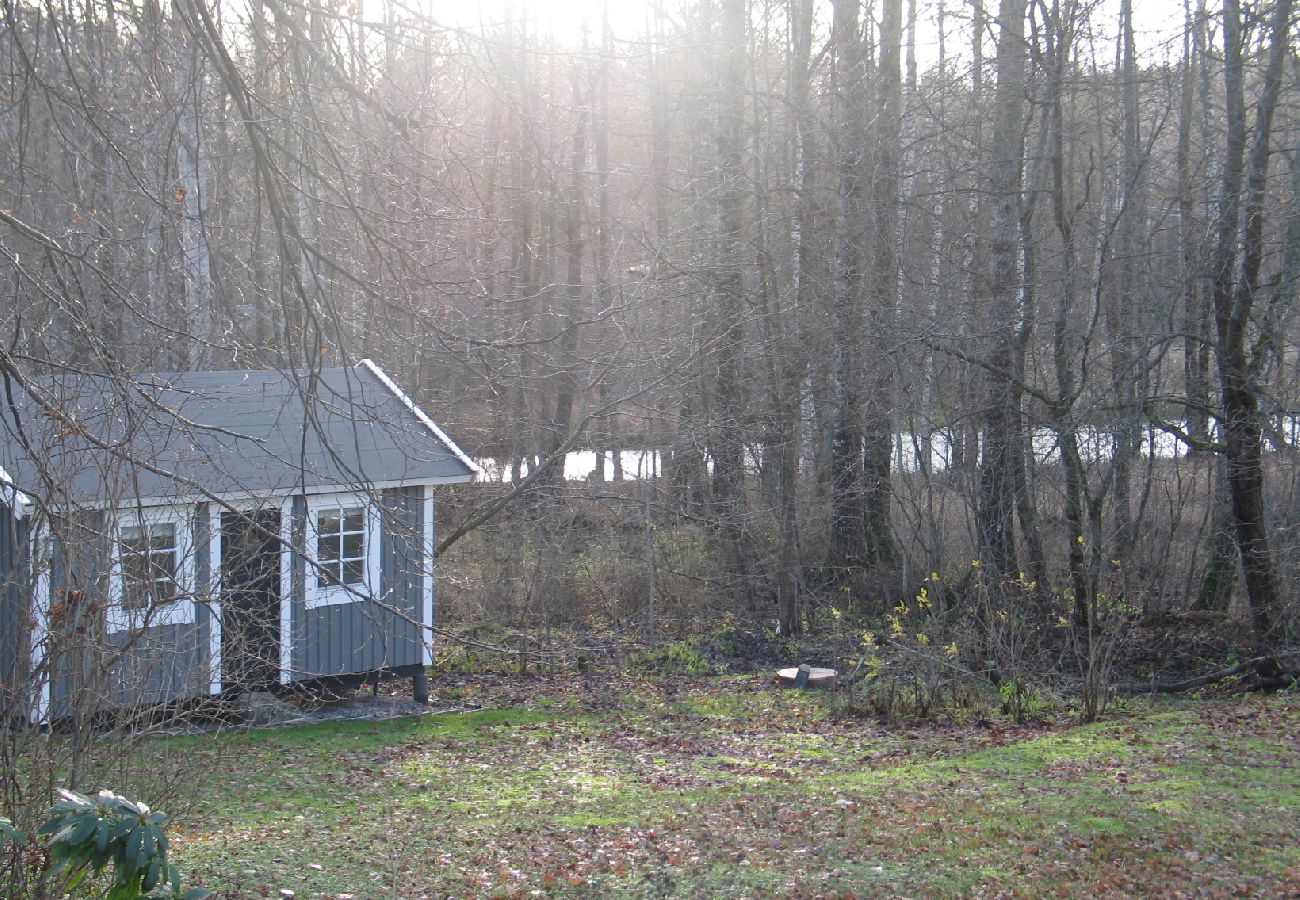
(1238, 257)
(1001, 413)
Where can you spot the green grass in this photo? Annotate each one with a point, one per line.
(638, 788)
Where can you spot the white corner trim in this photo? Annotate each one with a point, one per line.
(286, 589)
(420, 414)
(426, 581)
(19, 502)
(214, 598)
(39, 557)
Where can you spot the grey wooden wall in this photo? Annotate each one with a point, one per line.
(15, 652)
(359, 637)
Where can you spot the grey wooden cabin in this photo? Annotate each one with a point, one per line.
(171, 536)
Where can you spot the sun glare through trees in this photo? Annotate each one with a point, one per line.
(941, 354)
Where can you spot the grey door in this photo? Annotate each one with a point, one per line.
(250, 600)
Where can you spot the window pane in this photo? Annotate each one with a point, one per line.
(341, 546)
(162, 562)
(135, 580)
(163, 571)
(327, 575)
(354, 572)
(133, 551)
(327, 548)
(165, 590)
(135, 567)
(149, 563)
(354, 546)
(327, 522)
(162, 537)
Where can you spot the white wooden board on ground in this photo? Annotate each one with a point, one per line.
(818, 678)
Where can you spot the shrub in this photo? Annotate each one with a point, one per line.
(679, 658)
(86, 836)
(934, 658)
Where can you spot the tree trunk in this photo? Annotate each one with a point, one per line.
(879, 412)
(1124, 296)
(1220, 576)
(565, 378)
(995, 515)
(604, 254)
(1066, 345)
(849, 550)
(727, 441)
(1196, 307)
(1234, 295)
(191, 193)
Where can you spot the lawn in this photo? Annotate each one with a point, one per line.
(619, 787)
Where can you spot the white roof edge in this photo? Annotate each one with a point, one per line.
(272, 493)
(19, 502)
(420, 414)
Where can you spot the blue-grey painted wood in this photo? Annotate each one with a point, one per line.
(81, 561)
(156, 665)
(362, 636)
(15, 650)
(96, 670)
(402, 568)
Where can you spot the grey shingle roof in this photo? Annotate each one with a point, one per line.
(95, 440)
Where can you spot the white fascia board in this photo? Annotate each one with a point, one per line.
(420, 414)
(19, 502)
(275, 496)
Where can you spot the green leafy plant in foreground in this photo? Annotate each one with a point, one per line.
(89, 834)
(10, 833)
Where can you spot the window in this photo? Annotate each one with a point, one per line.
(148, 558)
(152, 578)
(342, 549)
(341, 546)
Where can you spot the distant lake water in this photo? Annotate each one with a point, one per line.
(1094, 446)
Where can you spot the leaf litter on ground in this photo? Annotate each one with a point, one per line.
(606, 786)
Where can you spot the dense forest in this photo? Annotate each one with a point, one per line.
(854, 305)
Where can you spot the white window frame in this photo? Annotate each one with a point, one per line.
(175, 612)
(316, 594)
(42, 555)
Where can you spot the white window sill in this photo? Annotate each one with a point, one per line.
(336, 596)
(178, 612)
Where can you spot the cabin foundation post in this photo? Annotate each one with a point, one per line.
(420, 687)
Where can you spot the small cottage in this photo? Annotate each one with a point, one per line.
(169, 536)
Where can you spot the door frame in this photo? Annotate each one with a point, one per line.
(215, 511)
